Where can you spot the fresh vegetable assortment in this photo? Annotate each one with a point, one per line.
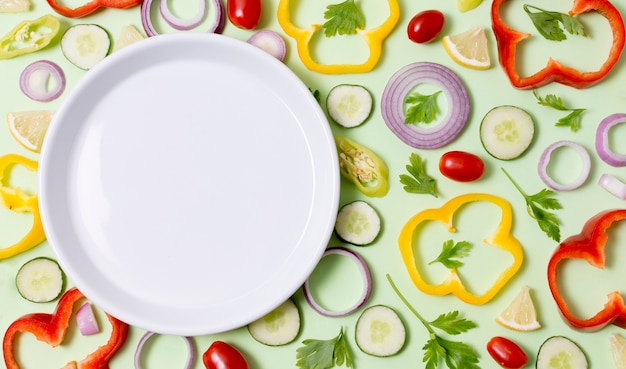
(458, 189)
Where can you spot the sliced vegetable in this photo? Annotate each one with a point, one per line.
(560, 352)
(418, 181)
(217, 25)
(358, 223)
(403, 82)
(469, 48)
(461, 166)
(271, 42)
(613, 185)
(40, 280)
(467, 5)
(507, 353)
(349, 105)
(191, 351)
(279, 327)
(544, 161)
(572, 120)
(365, 275)
(84, 45)
(317, 354)
(86, 320)
(380, 331)
(506, 132)
(14, 6)
(29, 36)
(35, 79)
(244, 14)
(90, 7)
(425, 26)
(363, 167)
(603, 143)
(179, 23)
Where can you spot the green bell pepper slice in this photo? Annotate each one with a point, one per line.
(29, 36)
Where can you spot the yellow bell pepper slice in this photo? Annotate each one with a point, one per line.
(19, 201)
(501, 238)
(374, 38)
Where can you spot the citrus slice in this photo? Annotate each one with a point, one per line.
(469, 48)
(520, 315)
(14, 6)
(128, 35)
(465, 5)
(618, 348)
(29, 127)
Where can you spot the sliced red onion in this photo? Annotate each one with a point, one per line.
(271, 42)
(86, 320)
(367, 284)
(183, 24)
(191, 358)
(613, 185)
(35, 79)
(425, 136)
(146, 19)
(602, 140)
(544, 161)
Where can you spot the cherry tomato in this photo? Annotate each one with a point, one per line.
(244, 14)
(507, 353)
(461, 166)
(425, 26)
(221, 355)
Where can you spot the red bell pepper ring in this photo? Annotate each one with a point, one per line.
(51, 328)
(507, 40)
(91, 7)
(589, 245)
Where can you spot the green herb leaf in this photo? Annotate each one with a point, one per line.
(451, 251)
(344, 19)
(419, 181)
(459, 354)
(421, 108)
(324, 354)
(452, 324)
(538, 206)
(572, 120)
(548, 23)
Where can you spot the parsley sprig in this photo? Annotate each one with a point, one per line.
(324, 354)
(344, 19)
(455, 354)
(451, 252)
(548, 23)
(539, 206)
(421, 108)
(572, 120)
(418, 181)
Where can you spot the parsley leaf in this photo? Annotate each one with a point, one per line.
(421, 108)
(538, 206)
(452, 251)
(548, 23)
(324, 354)
(572, 120)
(456, 355)
(420, 182)
(343, 18)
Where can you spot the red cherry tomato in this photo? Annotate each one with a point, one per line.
(425, 26)
(244, 14)
(221, 355)
(461, 166)
(507, 353)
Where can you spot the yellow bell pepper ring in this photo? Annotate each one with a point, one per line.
(501, 238)
(19, 201)
(303, 36)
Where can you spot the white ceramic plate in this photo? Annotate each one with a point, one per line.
(189, 184)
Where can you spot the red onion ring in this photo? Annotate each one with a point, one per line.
(146, 19)
(602, 140)
(271, 42)
(613, 185)
(86, 320)
(544, 161)
(191, 358)
(183, 24)
(401, 83)
(367, 284)
(35, 77)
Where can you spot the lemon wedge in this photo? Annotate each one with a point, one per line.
(29, 127)
(128, 35)
(618, 348)
(469, 48)
(520, 315)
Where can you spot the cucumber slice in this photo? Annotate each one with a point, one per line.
(506, 132)
(380, 331)
(40, 280)
(279, 327)
(559, 352)
(84, 45)
(358, 223)
(349, 105)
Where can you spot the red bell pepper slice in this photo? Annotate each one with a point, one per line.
(51, 328)
(91, 7)
(507, 40)
(589, 245)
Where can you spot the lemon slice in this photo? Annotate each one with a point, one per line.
(128, 35)
(465, 5)
(14, 6)
(520, 315)
(469, 48)
(618, 348)
(29, 127)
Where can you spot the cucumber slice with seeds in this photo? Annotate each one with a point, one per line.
(380, 331)
(40, 280)
(349, 105)
(559, 352)
(358, 223)
(84, 45)
(279, 327)
(506, 132)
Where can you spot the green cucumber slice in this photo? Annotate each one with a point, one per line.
(40, 280)
(349, 105)
(380, 331)
(84, 45)
(560, 352)
(358, 223)
(279, 327)
(506, 132)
